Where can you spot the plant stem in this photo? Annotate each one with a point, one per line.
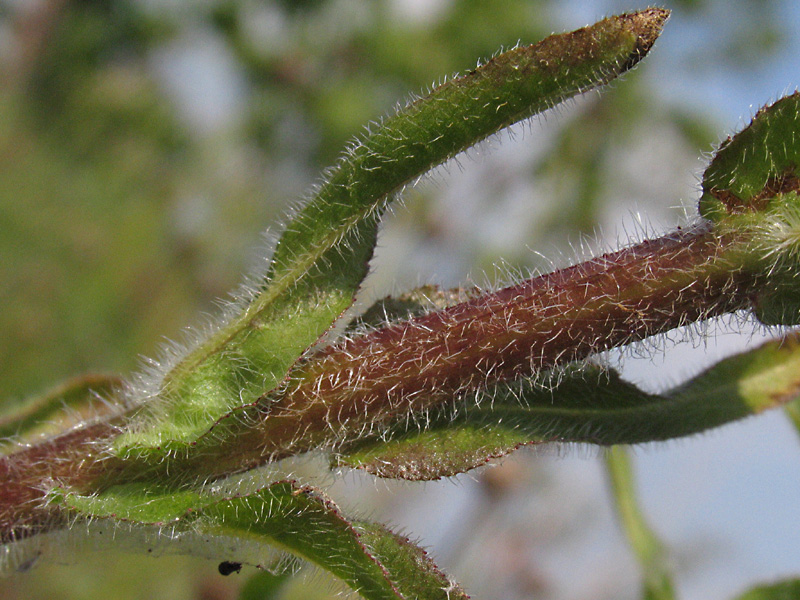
(71, 459)
(323, 254)
(362, 384)
(644, 542)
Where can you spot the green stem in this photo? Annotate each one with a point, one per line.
(644, 542)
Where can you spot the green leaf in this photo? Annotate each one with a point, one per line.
(751, 187)
(783, 590)
(409, 564)
(583, 405)
(322, 255)
(297, 519)
(646, 545)
(59, 408)
(759, 162)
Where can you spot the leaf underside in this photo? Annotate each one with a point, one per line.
(374, 561)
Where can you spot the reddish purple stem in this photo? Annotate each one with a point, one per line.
(361, 385)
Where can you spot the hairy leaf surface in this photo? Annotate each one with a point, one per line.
(323, 253)
(752, 167)
(752, 185)
(298, 519)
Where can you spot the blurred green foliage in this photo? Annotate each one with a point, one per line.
(123, 213)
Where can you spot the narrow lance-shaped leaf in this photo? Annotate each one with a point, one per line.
(377, 563)
(322, 255)
(586, 405)
(252, 352)
(644, 542)
(60, 408)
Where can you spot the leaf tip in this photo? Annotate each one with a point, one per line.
(647, 26)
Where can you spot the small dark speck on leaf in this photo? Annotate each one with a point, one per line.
(226, 567)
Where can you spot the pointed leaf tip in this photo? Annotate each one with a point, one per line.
(647, 25)
(322, 256)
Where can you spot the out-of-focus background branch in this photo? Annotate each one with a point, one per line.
(144, 147)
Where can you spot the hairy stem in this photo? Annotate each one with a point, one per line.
(341, 219)
(364, 383)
